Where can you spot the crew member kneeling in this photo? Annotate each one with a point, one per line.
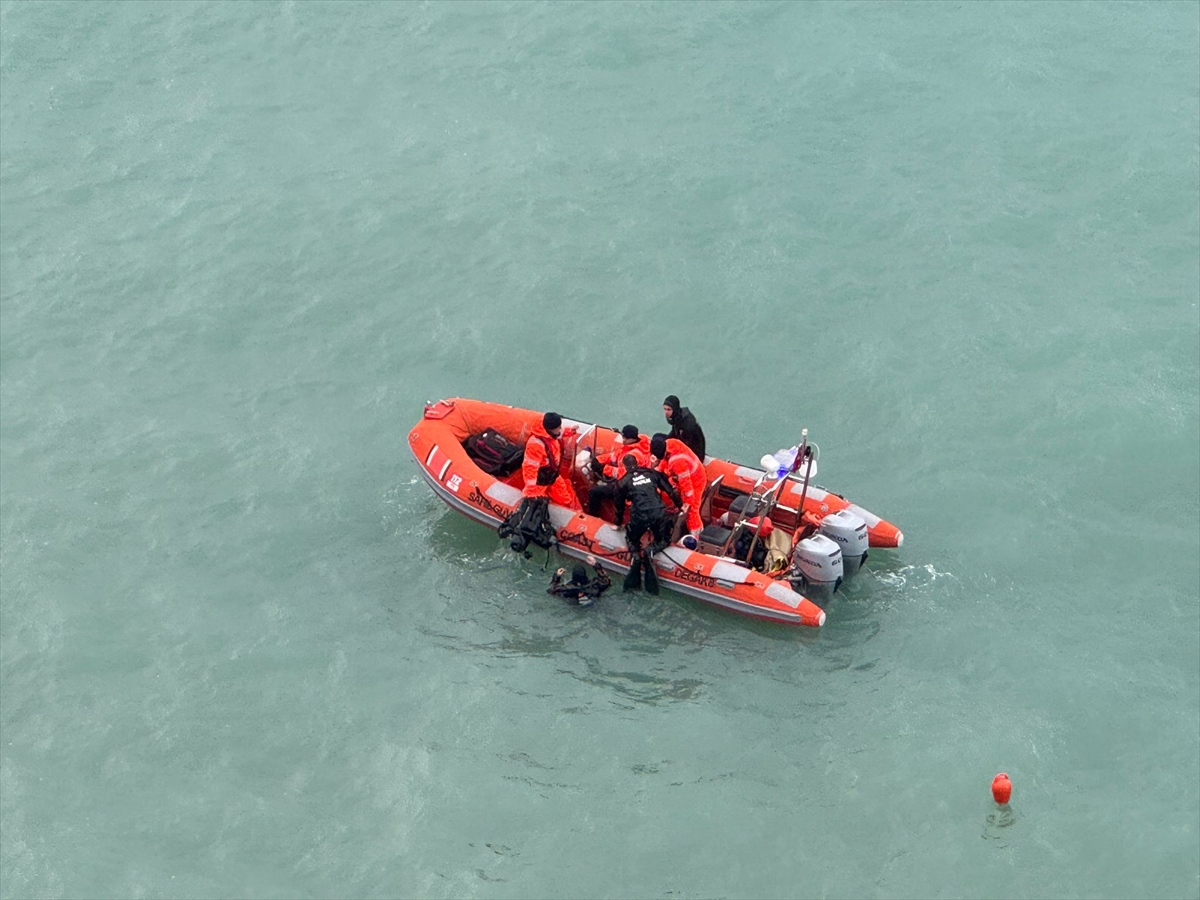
(606, 466)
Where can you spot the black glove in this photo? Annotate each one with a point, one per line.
(597, 466)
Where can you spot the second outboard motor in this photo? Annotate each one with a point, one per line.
(818, 560)
(850, 533)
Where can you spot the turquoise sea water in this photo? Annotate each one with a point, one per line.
(245, 652)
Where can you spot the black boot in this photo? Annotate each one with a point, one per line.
(633, 580)
(651, 576)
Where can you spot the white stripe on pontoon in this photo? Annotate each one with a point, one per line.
(504, 493)
(814, 492)
(729, 572)
(431, 452)
(442, 474)
(677, 555)
(783, 594)
(560, 516)
(869, 517)
(610, 538)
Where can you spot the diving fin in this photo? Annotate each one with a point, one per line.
(651, 576)
(634, 579)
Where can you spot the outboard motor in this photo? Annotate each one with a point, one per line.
(819, 562)
(849, 532)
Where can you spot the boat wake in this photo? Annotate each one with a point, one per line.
(912, 575)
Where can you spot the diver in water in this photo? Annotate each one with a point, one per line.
(580, 590)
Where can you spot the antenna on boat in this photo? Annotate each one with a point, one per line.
(800, 506)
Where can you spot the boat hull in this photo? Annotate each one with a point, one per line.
(436, 443)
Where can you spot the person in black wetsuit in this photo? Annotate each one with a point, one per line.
(580, 590)
(639, 487)
(684, 426)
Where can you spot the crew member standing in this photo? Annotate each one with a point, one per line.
(684, 426)
(546, 472)
(676, 460)
(639, 487)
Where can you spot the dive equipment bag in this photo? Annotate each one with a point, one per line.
(529, 524)
(494, 453)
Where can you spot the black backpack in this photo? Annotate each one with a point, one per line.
(529, 523)
(741, 547)
(494, 453)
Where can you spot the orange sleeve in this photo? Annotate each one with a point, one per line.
(535, 458)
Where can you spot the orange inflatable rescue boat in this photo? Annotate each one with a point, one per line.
(768, 535)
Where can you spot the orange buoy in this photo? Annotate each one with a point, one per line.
(1001, 788)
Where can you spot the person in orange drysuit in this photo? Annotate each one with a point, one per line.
(546, 472)
(675, 459)
(607, 465)
(629, 441)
